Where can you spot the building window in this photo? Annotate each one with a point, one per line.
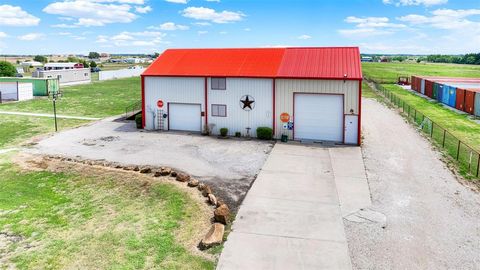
(59, 77)
(218, 83)
(219, 110)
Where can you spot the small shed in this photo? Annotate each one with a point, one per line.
(41, 86)
(16, 91)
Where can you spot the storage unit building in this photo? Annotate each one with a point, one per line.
(66, 76)
(41, 87)
(15, 91)
(304, 93)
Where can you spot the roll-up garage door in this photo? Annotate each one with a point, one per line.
(185, 117)
(318, 117)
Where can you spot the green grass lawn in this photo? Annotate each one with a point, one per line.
(98, 99)
(16, 129)
(389, 72)
(72, 220)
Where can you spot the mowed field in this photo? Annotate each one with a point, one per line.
(460, 125)
(389, 72)
(97, 99)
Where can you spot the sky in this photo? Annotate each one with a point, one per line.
(147, 26)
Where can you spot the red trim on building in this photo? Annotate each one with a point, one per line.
(359, 134)
(143, 101)
(274, 116)
(206, 102)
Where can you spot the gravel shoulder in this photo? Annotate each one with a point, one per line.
(228, 165)
(432, 221)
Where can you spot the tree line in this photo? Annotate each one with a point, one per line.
(469, 59)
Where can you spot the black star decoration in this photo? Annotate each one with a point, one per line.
(247, 103)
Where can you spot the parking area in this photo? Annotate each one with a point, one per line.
(228, 165)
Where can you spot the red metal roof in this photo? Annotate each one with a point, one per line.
(323, 63)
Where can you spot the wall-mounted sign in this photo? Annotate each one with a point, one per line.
(284, 117)
(247, 103)
(160, 103)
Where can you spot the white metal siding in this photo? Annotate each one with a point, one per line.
(25, 91)
(237, 119)
(173, 90)
(319, 117)
(351, 129)
(284, 89)
(121, 73)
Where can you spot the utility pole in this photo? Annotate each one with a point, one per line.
(54, 95)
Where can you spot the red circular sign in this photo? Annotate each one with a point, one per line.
(284, 117)
(160, 103)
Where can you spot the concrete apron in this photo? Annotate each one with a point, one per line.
(292, 216)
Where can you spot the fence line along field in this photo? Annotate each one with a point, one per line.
(457, 125)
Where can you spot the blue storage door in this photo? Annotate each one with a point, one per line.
(477, 104)
(422, 89)
(440, 92)
(452, 96)
(446, 91)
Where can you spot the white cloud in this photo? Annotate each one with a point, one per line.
(64, 33)
(3, 35)
(202, 23)
(63, 25)
(426, 3)
(208, 14)
(133, 39)
(202, 32)
(178, 1)
(370, 26)
(218, 1)
(247, 29)
(169, 26)
(446, 19)
(223, 32)
(94, 12)
(144, 9)
(16, 16)
(31, 36)
(304, 37)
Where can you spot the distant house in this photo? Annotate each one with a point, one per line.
(28, 64)
(60, 66)
(367, 59)
(66, 76)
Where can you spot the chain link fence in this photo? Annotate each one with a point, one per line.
(467, 157)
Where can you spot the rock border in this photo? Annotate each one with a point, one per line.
(220, 216)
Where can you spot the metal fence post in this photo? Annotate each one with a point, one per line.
(444, 133)
(458, 149)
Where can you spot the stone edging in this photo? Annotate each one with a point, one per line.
(221, 214)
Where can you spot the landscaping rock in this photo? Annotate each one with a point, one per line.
(221, 214)
(193, 182)
(157, 174)
(165, 171)
(146, 170)
(173, 174)
(201, 186)
(136, 169)
(183, 177)
(213, 237)
(206, 190)
(212, 199)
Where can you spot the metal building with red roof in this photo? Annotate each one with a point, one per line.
(304, 93)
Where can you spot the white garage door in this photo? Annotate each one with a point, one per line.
(184, 117)
(318, 117)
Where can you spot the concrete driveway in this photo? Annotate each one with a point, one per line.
(228, 165)
(292, 217)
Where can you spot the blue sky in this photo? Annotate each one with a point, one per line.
(146, 26)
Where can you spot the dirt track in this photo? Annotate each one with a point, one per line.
(433, 222)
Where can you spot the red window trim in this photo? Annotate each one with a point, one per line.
(213, 115)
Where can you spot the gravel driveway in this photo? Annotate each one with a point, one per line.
(432, 221)
(228, 165)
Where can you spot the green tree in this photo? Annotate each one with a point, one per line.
(73, 59)
(7, 69)
(93, 55)
(93, 64)
(40, 58)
